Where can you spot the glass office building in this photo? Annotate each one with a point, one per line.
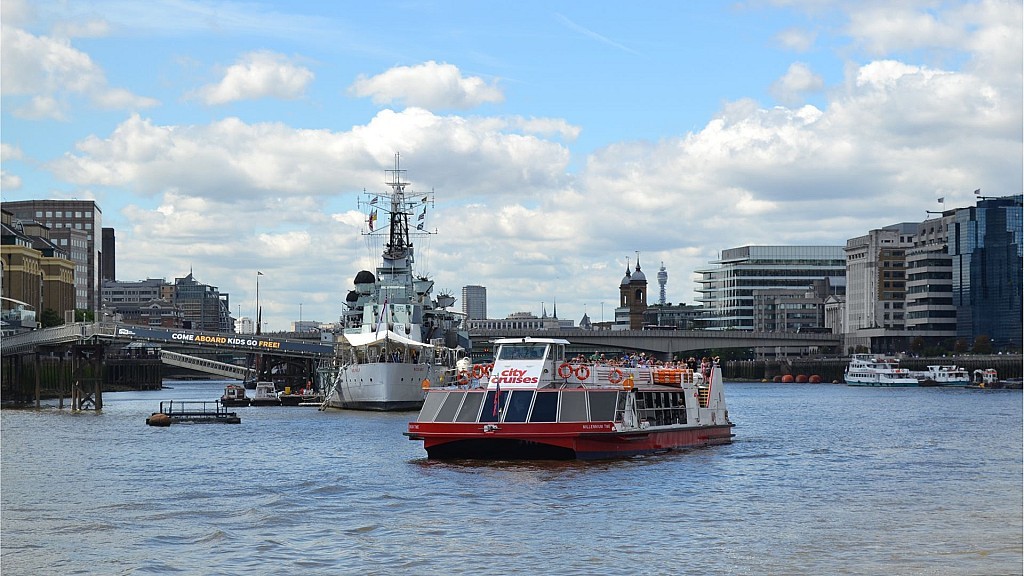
(728, 290)
(985, 245)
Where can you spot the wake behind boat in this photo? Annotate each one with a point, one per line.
(533, 404)
(396, 336)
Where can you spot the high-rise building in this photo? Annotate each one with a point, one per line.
(930, 312)
(108, 248)
(38, 276)
(728, 290)
(82, 216)
(203, 306)
(876, 278)
(985, 246)
(474, 302)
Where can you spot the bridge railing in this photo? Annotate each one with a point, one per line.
(27, 341)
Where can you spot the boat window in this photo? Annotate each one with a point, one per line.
(450, 406)
(545, 407)
(602, 405)
(470, 407)
(574, 407)
(521, 351)
(518, 406)
(487, 414)
(431, 403)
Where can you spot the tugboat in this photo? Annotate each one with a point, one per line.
(395, 334)
(533, 404)
(234, 395)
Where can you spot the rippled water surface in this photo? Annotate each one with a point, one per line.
(821, 479)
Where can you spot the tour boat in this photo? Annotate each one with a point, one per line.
(395, 334)
(534, 404)
(943, 376)
(871, 370)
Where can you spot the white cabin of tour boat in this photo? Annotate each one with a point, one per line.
(534, 404)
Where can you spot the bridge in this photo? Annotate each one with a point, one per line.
(287, 350)
(26, 342)
(669, 342)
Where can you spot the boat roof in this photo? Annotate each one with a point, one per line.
(367, 338)
(531, 339)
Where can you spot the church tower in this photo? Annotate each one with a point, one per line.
(638, 297)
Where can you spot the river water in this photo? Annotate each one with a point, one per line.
(821, 479)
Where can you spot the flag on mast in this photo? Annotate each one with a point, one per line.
(977, 192)
(942, 200)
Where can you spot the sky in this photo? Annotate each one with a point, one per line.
(561, 140)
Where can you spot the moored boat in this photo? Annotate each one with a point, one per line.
(939, 375)
(396, 334)
(872, 370)
(533, 404)
(265, 395)
(234, 395)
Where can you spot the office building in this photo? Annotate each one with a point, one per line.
(62, 217)
(750, 276)
(474, 302)
(985, 248)
(203, 306)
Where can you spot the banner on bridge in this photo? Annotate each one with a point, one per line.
(255, 343)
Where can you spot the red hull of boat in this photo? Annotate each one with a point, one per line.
(585, 441)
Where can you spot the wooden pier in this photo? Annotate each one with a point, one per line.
(192, 411)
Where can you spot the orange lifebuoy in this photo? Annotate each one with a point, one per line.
(478, 371)
(463, 378)
(615, 376)
(487, 369)
(582, 372)
(565, 370)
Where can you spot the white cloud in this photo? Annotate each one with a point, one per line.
(257, 75)
(429, 85)
(47, 69)
(798, 81)
(9, 181)
(10, 152)
(92, 28)
(796, 39)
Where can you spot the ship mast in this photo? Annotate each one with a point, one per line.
(398, 245)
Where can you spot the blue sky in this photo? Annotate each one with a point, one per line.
(561, 138)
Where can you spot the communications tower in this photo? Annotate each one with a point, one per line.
(662, 280)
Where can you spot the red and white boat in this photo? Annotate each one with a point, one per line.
(534, 404)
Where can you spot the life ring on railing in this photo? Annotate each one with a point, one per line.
(463, 378)
(582, 372)
(565, 370)
(615, 376)
(478, 371)
(487, 369)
